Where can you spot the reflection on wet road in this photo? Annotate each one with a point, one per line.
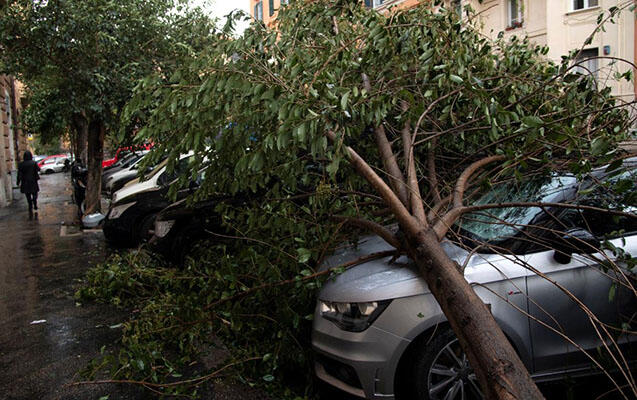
(44, 338)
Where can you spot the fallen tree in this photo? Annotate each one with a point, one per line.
(416, 108)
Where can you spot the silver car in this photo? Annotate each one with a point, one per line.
(380, 334)
(56, 164)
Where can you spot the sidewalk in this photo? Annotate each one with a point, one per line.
(45, 339)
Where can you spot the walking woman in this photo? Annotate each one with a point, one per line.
(28, 180)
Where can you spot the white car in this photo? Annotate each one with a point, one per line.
(53, 165)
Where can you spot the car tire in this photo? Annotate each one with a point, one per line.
(48, 171)
(184, 242)
(441, 370)
(143, 228)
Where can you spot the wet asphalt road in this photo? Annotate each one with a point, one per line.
(45, 338)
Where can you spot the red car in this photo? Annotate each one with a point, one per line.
(48, 158)
(122, 151)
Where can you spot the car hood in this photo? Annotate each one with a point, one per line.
(140, 187)
(379, 279)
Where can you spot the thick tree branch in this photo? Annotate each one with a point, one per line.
(431, 172)
(414, 196)
(435, 211)
(396, 178)
(404, 218)
(442, 226)
(463, 180)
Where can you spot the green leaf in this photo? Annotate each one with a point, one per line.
(456, 78)
(344, 100)
(611, 293)
(532, 121)
(304, 254)
(268, 378)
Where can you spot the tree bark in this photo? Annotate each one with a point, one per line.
(80, 125)
(96, 131)
(500, 371)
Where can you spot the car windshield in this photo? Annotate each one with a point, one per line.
(498, 224)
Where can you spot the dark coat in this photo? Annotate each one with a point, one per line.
(28, 176)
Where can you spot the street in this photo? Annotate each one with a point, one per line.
(45, 338)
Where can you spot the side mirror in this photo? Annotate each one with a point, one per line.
(575, 241)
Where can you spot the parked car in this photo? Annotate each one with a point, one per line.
(121, 163)
(378, 332)
(181, 225)
(131, 215)
(123, 151)
(56, 163)
(115, 181)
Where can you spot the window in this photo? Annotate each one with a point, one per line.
(284, 2)
(582, 4)
(587, 62)
(375, 3)
(271, 7)
(258, 11)
(616, 194)
(514, 13)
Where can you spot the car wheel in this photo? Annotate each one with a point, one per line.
(48, 171)
(442, 371)
(144, 229)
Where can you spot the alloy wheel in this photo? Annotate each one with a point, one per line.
(451, 377)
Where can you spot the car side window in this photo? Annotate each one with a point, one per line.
(618, 193)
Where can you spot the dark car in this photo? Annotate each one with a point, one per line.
(131, 216)
(180, 226)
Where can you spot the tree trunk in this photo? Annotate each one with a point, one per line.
(80, 125)
(96, 130)
(499, 369)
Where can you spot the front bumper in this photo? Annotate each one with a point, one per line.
(360, 363)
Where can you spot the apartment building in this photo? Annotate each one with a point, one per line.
(12, 139)
(563, 25)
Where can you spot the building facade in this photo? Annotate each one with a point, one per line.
(12, 140)
(562, 25)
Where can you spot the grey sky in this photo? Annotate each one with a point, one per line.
(220, 8)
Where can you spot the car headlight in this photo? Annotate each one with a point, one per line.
(163, 227)
(117, 211)
(352, 317)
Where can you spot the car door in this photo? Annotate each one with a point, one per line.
(500, 281)
(562, 295)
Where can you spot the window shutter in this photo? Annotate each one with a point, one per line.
(271, 6)
(368, 3)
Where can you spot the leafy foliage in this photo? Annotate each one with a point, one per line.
(180, 313)
(270, 116)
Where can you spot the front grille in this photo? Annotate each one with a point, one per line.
(340, 371)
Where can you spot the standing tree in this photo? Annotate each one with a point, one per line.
(91, 54)
(418, 104)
